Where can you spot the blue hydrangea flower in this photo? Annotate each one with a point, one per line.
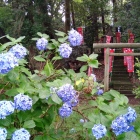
(18, 51)
(94, 77)
(65, 50)
(73, 102)
(21, 134)
(7, 62)
(3, 134)
(6, 108)
(75, 38)
(120, 125)
(41, 44)
(83, 121)
(65, 111)
(131, 115)
(22, 102)
(66, 92)
(100, 92)
(99, 131)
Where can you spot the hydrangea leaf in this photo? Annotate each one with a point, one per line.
(11, 92)
(115, 93)
(93, 56)
(45, 36)
(107, 96)
(56, 99)
(10, 131)
(39, 58)
(131, 136)
(93, 103)
(56, 43)
(43, 93)
(83, 58)
(59, 33)
(6, 122)
(24, 115)
(51, 46)
(29, 124)
(62, 40)
(48, 69)
(39, 34)
(88, 125)
(4, 46)
(83, 68)
(35, 38)
(106, 108)
(11, 38)
(19, 39)
(57, 58)
(93, 63)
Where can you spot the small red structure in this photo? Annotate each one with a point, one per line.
(80, 30)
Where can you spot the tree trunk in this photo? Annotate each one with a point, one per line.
(73, 16)
(103, 21)
(114, 10)
(67, 15)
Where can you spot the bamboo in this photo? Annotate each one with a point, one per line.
(116, 45)
(106, 72)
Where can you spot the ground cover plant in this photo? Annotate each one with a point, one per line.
(54, 104)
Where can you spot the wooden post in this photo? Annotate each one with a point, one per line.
(106, 72)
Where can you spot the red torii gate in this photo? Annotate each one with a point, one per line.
(107, 54)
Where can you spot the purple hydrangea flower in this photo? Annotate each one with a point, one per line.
(75, 38)
(22, 102)
(18, 51)
(6, 108)
(99, 131)
(65, 50)
(120, 125)
(21, 134)
(3, 134)
(7, 62)
(66, 92)
(100, 92)
(41, 44)
(65, 111)
(131, 115)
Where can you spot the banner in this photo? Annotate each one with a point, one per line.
(125, 51)
(118, 37)
(130, 61)
(80, 31)
(131, 38)
(111, 60)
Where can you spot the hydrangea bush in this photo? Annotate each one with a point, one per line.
(37, 105)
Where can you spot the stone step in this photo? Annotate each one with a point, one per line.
(120, 78)
(119, 69)
(121, 82)
(120, 74)
(126, 87)
(126, 92)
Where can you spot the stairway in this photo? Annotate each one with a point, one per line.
(120, 79)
